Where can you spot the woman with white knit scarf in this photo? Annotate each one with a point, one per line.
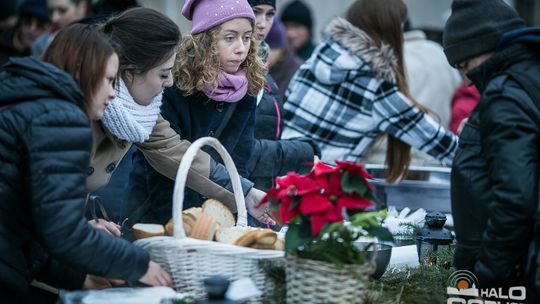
(148, 41)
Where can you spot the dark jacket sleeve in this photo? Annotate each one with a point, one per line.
(53, 272)
(510, 145)
(273, 158)
(58, 147)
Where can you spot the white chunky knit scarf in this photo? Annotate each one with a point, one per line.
(128, 120)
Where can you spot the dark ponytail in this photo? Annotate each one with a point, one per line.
(146, 38)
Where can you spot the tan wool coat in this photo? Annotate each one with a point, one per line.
(163, 151)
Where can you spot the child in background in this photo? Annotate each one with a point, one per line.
(282, 60)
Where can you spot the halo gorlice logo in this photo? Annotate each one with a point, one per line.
(462, 283)
(462, 288)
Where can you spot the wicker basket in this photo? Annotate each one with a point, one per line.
(310, 281)
(189, 260)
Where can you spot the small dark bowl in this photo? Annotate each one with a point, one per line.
(382, 258)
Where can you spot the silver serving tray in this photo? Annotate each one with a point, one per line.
(423, 187)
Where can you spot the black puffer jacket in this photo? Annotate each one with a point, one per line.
(271, 156)
(495, 171)
(45, 142)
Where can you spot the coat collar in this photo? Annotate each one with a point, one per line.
(381, 58)
(501, 61)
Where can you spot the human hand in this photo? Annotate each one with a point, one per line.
(103, 225)
(259, 212)
(156, 276)
(95, 282)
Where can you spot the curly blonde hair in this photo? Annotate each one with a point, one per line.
(197, 64)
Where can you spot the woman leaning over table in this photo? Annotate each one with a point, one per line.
(45, 146)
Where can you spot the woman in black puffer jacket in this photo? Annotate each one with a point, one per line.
(45, 142)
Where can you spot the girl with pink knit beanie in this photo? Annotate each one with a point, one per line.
(219, 56)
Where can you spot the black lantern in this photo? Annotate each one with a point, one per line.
(433, 236)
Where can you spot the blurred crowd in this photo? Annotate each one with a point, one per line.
(99, 101)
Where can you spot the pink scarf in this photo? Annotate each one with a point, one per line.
(231, 87)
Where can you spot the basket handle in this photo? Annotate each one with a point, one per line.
(181, 176)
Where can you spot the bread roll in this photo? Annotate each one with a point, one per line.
(266, 237)
(263, 246)
(279, 245)
(248, 239)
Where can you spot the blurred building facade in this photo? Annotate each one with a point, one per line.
(429, 15)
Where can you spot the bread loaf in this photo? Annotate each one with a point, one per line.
(229, 235)
(247, 239)
(266, 237)
(204, 228)
(253, 237)
(169, 228)
(195, 211)
(220, 212)
(141, 231)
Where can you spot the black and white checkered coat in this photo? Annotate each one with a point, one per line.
(345, 95)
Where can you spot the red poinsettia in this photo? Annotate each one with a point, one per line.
(322, 196)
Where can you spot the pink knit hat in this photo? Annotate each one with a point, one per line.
(205, 14)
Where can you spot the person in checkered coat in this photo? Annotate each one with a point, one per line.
(353, 90)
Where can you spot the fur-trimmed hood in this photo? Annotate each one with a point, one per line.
(352, 52)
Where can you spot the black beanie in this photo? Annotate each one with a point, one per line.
(475, 27)
(297, 12)
(253, 3)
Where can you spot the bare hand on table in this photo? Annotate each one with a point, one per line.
(95, 282)
(156, 276)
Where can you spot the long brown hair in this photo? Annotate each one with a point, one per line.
(83, 52)
(197, 64)
(383, 21)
